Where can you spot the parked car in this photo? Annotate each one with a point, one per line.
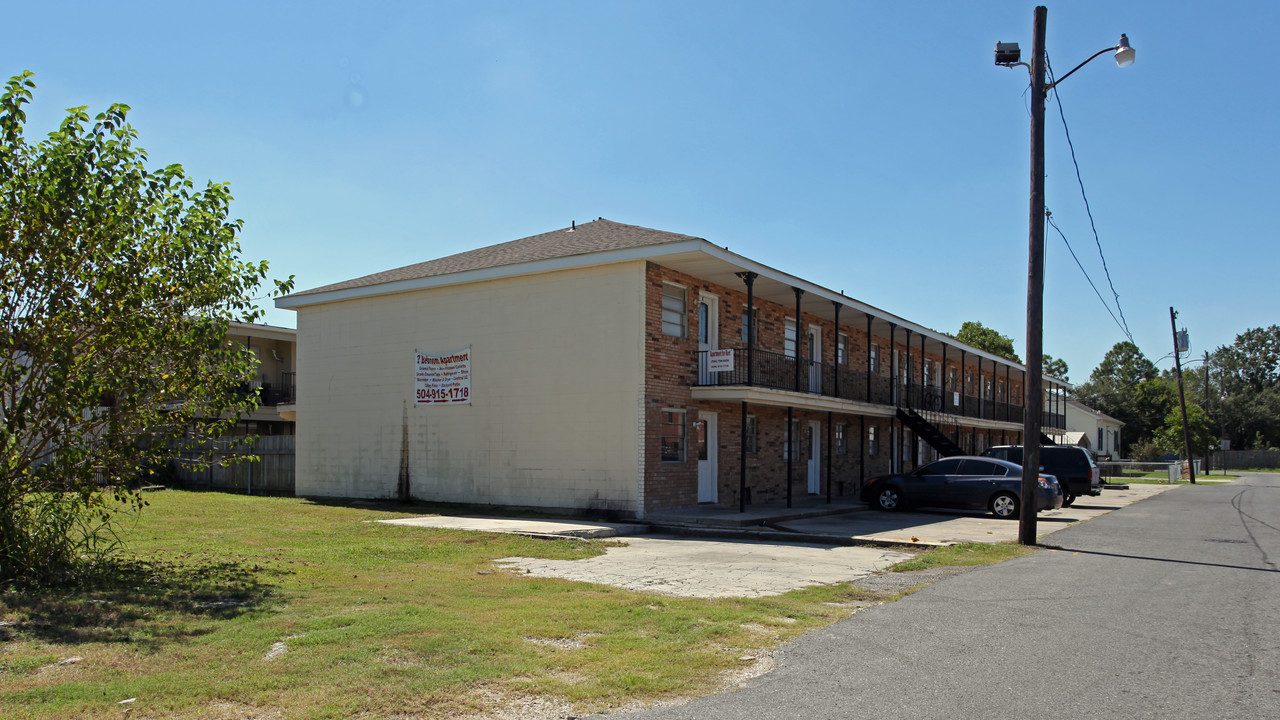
(972, 483)
(1073, 465)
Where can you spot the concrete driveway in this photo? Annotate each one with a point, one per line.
(840, 547)
(946, 528)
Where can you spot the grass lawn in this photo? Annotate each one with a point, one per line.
(233, 607)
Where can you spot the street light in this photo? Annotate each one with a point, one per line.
(1008, 55)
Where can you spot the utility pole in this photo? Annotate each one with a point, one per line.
(1182, 399)
(1032, 390)
(1008, 55)
(1208, 469)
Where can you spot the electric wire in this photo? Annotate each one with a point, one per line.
(1122, 321)
(1070, 249)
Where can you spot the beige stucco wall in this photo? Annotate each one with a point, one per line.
(556, 388)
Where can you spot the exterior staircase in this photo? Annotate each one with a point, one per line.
(929, 432)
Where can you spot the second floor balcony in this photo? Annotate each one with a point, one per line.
(779, 371)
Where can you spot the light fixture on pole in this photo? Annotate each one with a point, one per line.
(1008, 54)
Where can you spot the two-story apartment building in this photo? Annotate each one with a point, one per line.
(618, 368)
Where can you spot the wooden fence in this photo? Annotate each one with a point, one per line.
(270, 474)
(1246, 459)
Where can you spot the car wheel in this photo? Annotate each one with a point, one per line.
(1004, 505)
(1067, 498)
(889, 498)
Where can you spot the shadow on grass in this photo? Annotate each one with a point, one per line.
(146, 602)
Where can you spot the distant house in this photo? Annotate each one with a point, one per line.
(619, 368)
(1101, 431)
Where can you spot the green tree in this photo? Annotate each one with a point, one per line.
(1245, 388)
(1127, 386)
(118, 284)
(984, 338)
(1203, 437)
(1055, 367)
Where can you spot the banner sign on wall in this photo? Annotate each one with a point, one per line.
(442, 379)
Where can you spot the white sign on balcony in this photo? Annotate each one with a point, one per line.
(720, 360)
(442, 379)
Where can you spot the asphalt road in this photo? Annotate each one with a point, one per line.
(1169, 608)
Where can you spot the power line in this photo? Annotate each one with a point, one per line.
(1123, 322)
(1120, 325)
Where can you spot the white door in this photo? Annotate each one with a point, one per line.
(814, 357)
(705, 431)
(815, 457)
(708, 334)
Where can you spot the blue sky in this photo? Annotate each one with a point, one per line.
(870, 147)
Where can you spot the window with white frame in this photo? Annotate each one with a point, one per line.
(789, 339)
(751, 434)
(874, 360)
(842, 352)
(673, 435)
(673, 311)
(873, 440)
(841, 439)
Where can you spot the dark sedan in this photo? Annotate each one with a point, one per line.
(970, 483)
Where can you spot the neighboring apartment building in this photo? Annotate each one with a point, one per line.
(276, 349)
(613, 367)
(1102, 430)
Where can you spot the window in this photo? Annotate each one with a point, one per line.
(982, 468)
(947, 466)
(841, 439)
(951, 378)
(937, 372)
(1101, 445)
(673, 319)
(789, 339)
(752, 433)
(673, 436)
(793, 435)
(873, 441)
(704, 321)
(842, 355)
(924, 370)
(755, 325)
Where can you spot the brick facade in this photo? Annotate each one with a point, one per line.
(671, 372)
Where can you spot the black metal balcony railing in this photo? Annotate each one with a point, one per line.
(270, 395)
(778, 371)
(288, 388)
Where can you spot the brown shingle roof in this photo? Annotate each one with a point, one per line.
(591, 237)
